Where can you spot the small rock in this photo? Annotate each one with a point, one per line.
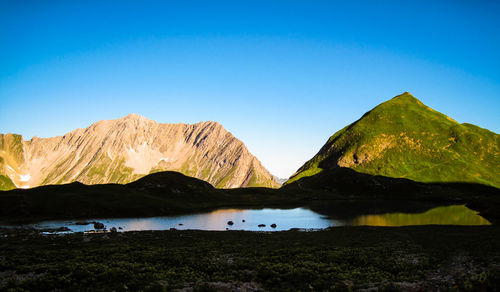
(273, 225)
(180, 224)
(243, 220)
(82, 223)
(98, 225)
(262, 225)
(120, 228)
(55, 230)
(230, 223)
(172, 229)
(113, 229)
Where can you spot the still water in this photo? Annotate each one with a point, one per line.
(285, 219)
(448, 215)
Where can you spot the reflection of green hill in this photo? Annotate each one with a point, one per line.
(403, 138)
(449, 215)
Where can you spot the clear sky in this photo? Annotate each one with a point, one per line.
(282, 76)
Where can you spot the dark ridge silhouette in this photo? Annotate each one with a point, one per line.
(172, 193)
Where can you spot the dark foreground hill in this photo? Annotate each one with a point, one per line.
(403, 138)
(162, 193)
(171, 193)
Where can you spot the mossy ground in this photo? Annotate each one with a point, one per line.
(410, 258)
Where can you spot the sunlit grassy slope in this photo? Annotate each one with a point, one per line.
(11, 155)
(404, 138)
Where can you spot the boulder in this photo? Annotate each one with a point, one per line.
(98, 225)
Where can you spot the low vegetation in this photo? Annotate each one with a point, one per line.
(344, 259)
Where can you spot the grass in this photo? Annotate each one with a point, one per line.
(339, 259)
(404, 138)
(223, 181)
(11, 154)
(6, 183)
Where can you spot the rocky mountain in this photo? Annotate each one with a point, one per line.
(280, 180)
(403, 138)
(126, 149)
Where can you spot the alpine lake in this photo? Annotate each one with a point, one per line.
(270, 219)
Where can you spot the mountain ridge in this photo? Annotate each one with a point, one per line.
(123, 150)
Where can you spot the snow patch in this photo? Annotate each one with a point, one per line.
(25, 187)
(131, 149)
(163, 159)
(8, 166)
(25, 178)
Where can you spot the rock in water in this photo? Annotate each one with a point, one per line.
(98, 225)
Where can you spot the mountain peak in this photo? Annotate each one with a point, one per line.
(135, 119)
(405, 97)
(403, 137)
(402, 104)
(406, 93)
(125, 149)
(133, 116)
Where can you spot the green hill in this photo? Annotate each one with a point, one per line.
(403, 138)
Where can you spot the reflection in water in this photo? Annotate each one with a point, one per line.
(449, 215)
(285, 219)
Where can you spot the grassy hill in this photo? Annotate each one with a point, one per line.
(403, 138)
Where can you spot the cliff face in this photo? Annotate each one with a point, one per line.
(123, 150)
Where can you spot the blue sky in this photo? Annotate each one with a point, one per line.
(282, 76)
